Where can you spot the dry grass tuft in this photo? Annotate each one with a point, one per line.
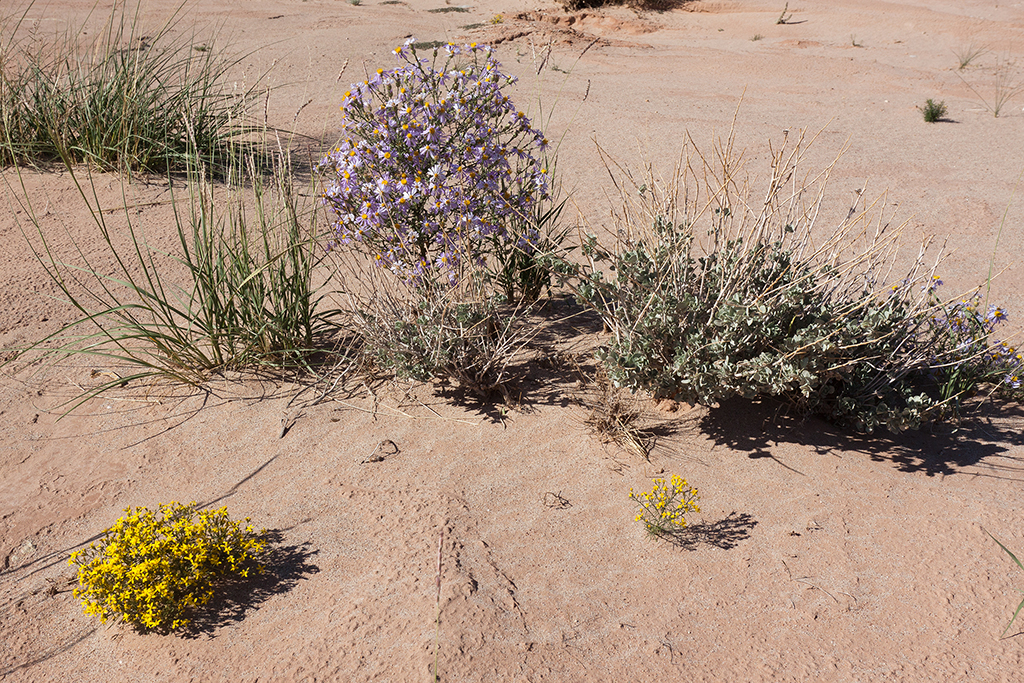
(616, 416)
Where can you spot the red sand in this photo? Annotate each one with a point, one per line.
(826, 558)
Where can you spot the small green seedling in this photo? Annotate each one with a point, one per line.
(785, 16)
(933, 111)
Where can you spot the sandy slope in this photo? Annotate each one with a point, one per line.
(821, 557)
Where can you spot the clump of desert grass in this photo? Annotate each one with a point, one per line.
(1004, 83)
(246, 289)
(125, 99)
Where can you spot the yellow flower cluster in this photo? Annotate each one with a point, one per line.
(663, 510)
(152, 569)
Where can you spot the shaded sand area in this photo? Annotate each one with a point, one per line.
(817, 555)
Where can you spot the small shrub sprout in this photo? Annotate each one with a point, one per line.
(785, 16)
(933, 111)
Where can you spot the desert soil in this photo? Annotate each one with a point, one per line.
(817, 555)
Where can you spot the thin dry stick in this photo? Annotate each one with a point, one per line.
(437, 620)
(404, 414)
(999, 234)
(804, 580)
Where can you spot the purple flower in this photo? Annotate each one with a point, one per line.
(995, 315)
(933, 283)
(435, 163)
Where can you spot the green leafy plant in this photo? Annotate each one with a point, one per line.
(663, 510)
(152, 570)
(127, 101)
(1018, 563)
(757, 37)
(753, 310)
(933, 111)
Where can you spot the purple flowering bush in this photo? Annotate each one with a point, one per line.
(440, 184)
(439, 177)
(965, 354)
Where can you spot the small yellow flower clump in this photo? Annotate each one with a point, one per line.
(663, 510)
(150, 570)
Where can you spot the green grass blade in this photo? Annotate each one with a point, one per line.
(1018, 563)
(1007, 550)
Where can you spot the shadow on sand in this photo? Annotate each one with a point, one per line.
(284, 566)
(984, 439)
(725, 533)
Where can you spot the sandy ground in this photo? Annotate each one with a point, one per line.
(817, 556)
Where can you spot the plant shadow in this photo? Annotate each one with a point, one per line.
(548, 371)
(639, 5)
(726, 533)
(982, 440)
(283, 567)
(66, 644)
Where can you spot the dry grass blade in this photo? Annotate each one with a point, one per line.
(424, 331)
